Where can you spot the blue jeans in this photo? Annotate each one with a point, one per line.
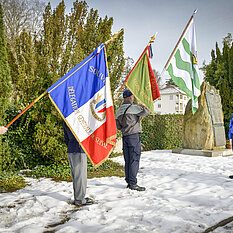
(132, 154)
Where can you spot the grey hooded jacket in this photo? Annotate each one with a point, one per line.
(131, 123)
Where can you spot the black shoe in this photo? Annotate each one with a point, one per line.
(231, 177)
(136, 187)
(89, 201)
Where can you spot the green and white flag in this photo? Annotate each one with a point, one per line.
(183, 67)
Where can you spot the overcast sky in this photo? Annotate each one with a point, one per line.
(141, 19)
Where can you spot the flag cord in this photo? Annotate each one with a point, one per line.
(151, 41)
(29, 106)
(177, 44)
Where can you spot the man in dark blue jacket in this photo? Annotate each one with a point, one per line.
(78, 165)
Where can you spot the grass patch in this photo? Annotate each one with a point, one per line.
(10, 181)
(62, 172)
(55, 172)
(115, 155)
(108, 168)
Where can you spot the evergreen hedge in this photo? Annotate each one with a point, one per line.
(162, 132)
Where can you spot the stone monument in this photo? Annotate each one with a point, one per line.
(203, 132)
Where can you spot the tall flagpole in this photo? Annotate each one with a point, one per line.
(151, 41)
(174, 50)
(29, 106)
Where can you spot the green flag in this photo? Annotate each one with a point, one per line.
(183, 67)
(142, 83)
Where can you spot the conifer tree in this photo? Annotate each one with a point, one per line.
(5, 90)
(74, 52)
(5, 93)
(219, 73)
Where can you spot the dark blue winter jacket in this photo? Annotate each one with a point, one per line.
(71, 142)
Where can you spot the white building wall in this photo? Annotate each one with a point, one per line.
(172, 101)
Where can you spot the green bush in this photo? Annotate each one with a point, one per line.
(49, 140)
(5, 155)
(32, 140)
(162, 132)
(19, 141)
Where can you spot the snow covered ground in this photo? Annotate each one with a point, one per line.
(184, 194)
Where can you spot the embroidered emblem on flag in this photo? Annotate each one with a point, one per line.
(99, 111)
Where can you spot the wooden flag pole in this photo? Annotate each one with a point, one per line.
(177, 44)
(114, 37)
(29, 106)
(151, 41)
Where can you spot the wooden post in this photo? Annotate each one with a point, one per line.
(29, 106)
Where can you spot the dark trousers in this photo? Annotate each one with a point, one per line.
(132, 154)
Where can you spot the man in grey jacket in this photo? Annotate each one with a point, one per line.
(128, 120)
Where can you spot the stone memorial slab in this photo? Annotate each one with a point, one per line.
(215, 108)
(204, 130)
(219, 136)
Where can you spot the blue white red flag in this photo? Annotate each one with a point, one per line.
(83, 98)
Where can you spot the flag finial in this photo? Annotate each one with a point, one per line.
(152, 39)
(114, 36)
(195, 11)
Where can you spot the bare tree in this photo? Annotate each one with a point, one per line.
(128, 67)
(21, 14)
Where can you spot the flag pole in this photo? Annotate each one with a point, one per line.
(29, 106)
(151, 41)
(177, 44)
(113, 37)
